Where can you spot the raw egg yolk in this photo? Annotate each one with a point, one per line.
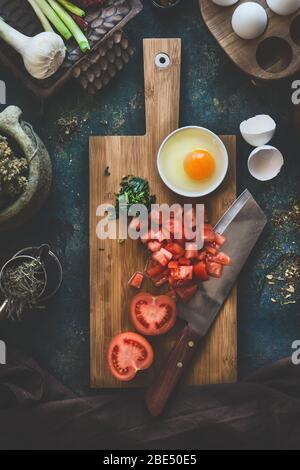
(199, 165)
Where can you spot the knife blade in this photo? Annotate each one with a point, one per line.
(241, 225)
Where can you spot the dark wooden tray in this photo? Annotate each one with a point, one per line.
(274, 55)
(103, 21)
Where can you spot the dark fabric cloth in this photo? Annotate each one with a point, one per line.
(37, 412)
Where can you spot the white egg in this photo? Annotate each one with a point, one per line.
(225, 3)
(249, 21)
(265, 163)
(259, 130)
(284, 7)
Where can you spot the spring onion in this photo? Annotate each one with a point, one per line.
(42, 54)
(72, 26)
(43, 19)
(72, 8)
(54, 19)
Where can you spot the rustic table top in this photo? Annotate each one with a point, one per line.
(215, 94)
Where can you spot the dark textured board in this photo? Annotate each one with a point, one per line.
(214, 94)
(103, 21)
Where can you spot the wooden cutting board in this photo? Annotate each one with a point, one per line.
(112, 263)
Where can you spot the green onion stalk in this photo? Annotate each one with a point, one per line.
(72, 8)
(71, 25)
(54, 19)
(43, 19)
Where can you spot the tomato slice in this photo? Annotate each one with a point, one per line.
(127, 354)
(151, 315)
(214, 269)
(200, 271)
(184, 261)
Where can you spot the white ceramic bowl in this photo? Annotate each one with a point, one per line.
(203, 139)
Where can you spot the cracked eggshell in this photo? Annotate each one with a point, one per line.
(259, 130)
(225, 3)
(284, 7)
(250, 20)
(265, 163)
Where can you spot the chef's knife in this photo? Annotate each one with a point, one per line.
(242, 225)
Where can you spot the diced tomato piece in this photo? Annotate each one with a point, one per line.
(154, 268)
(222, 258)
(173, 265)
(136, 280)
(210, 249)
(172, 294)
(182, 272)
(200, 271)
(161, 278)
(167, 254)
(154, 245)
(209, 234)
(202, 255)
(160, 258)
(185, 293)
(214, 269)
(175, 248)
(219, 239)
(191, 251)
(184, 261)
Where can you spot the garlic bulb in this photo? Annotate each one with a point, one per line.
(45, 54)
(42, 54)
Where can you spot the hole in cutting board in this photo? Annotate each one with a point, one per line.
(162, 61)
(295, 30)
(274, 54)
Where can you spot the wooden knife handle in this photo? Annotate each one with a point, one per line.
(179, 359)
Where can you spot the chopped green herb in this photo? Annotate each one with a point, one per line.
(134, 190)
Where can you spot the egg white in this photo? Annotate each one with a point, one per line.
(177, 147)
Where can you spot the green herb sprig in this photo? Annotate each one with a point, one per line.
(134, 190)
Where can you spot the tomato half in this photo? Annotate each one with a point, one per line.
(127, 354)
(151, 315)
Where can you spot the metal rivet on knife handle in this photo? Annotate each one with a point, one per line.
(179, 365)
(191, 344)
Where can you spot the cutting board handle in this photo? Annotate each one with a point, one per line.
(179, 360)
(162, 64)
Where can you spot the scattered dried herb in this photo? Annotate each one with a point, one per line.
(23, 284)
(285, 280)
(13, 171)
(291, 215)
(134, 190)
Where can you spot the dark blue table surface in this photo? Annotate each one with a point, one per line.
(214, 94)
